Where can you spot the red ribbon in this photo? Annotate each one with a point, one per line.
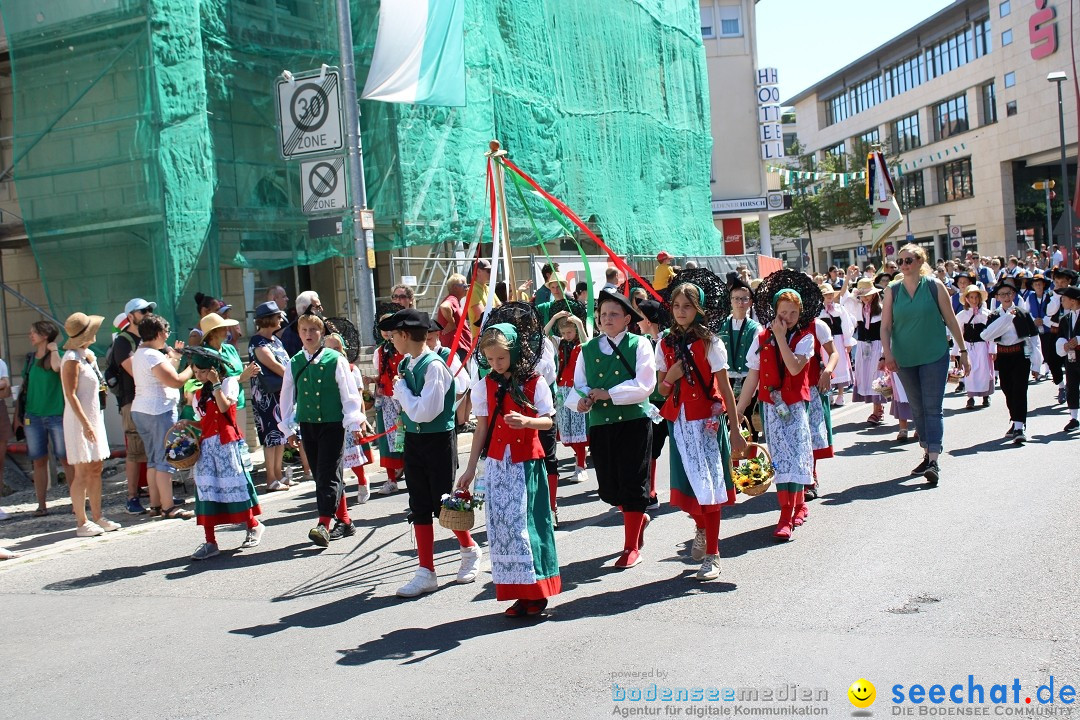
(619, 262)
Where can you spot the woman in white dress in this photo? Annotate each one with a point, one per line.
(84, 423)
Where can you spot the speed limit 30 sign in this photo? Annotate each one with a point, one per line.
(309, 113)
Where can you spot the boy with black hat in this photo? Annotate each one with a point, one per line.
(319, 393)
(1067, 341)
(1062, 278)
(1012, 328)
(614, 376)
(425, 390)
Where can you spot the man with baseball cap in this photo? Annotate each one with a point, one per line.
(123, 347)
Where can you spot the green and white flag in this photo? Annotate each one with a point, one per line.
(419, 53)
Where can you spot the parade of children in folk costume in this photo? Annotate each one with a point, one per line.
(512, 404)
(787, 302)
(692, 374)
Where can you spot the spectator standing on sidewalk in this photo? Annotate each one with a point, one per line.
(84, 423)
(124, 346)
(43, 413)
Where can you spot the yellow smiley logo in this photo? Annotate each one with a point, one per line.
(862, 693)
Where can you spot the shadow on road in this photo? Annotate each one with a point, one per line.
(415, 645)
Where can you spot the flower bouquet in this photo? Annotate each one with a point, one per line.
(883, 386)
(457, 511)
(181, 446)
(753, 474)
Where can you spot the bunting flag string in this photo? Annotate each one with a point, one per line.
(791, 175)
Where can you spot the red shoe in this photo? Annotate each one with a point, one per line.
(628, 559)
(784, 527)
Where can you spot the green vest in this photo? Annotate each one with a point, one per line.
(318, 399)
(738, 344)
(605, 372)
(413, 374)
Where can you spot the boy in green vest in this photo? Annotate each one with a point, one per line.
(425, 390)
(320, 394)
(614, 376)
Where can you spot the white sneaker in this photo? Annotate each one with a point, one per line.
(205, 551)
(388, 488)
(89, 529)
(580, 475)
(424, 581)
(108, 525)
(254, 536)
(3, 515)
(697, 550)
(470, 564)
(710, 568)
(363, 495)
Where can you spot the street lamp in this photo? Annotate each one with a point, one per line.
(1058, 77)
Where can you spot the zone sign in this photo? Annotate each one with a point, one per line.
(309, 113)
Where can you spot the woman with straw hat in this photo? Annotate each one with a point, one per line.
(84, 424)
(973, 320)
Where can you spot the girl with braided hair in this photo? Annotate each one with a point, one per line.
(513, 404)
(692, 372)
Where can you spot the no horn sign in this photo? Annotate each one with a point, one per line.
(309, 114)
(322, 185)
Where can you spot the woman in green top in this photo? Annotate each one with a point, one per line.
(43, 413)
(914, 316)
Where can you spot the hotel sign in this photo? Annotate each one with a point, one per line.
(770, 132)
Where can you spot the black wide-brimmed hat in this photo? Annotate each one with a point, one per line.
(812, 301)
(382, 310)
(1006, 282)
(1070, 291)
(622, 300)
(736, 283)
(884, 278)
(350, 336)
(204, 358)
(655, 313)
(406, 319)
(1071, 275)
(526, 321)
(716, 299)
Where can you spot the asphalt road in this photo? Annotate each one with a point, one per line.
(888, 581)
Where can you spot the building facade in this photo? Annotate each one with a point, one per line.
(963, 110)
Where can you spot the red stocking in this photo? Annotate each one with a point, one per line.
(211, 537)
(699, 521)
(425, 545)
(464, 538)
(359, 470)
(553, 489)
(579, 453)
(712, 533)
(632, 522)
(343, 510)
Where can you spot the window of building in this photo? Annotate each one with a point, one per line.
(910, 189)
(983, 38)
(954, 180)
(870, 137)
(707, 28)
(867, 94)
(952, 52)
(790, 139)
(1010, 79)
(989, 99)
(837, 150)
(1006, 37)
(1004, 8)
(903, 76)
(730, 20)
(837, 109)
(950, 117)
(905, 134)
(1010, 108)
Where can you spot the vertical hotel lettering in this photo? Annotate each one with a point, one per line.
(770, 132)
(1042, 29)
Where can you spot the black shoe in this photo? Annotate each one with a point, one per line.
(469, 427)
(921, 467)
(1019, 437)
(932, 473)
(810, 493)
(342, 530)
(960, 388)
(1072, 425)
(971, 404)
(319, 536)
(986, 401)
(1011, 433)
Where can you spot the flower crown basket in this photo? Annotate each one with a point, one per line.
(458, 510)
(753, 473)
(182, 446)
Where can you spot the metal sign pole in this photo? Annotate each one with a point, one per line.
(363, 239)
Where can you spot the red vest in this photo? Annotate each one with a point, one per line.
(524, 444)
(388, 370)
(795, 388)
(214, 422)
(566, 368)
(815, 366)
(694, 398)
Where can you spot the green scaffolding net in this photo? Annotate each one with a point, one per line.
(146, 150)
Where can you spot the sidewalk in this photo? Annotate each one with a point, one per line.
(36, 538)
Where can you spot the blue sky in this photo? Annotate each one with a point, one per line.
(807, 40)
